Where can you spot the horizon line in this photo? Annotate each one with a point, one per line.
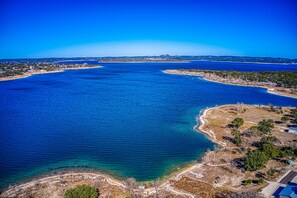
(125, 56)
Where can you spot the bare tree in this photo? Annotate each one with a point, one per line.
(156, 186)
(239, 107)
(131, 185)
(271, 107)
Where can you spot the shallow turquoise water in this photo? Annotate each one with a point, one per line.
(131, 120)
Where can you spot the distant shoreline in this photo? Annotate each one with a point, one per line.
(28, 74)
(271, 90)
(186, 61)
(268, 63)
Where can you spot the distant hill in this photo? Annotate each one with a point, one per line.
(163, 58)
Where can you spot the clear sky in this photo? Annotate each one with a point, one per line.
(51, 28)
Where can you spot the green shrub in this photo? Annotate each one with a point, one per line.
(252, 131)
(237, 137)
(261, 180)
(237, 122)
(268, 139)
(265, 126)
(285, 119)
(82, 191)
(271, 172)
(288, 152)
(294, 115)
(248, 182)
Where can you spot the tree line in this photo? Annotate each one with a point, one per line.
(287, 79)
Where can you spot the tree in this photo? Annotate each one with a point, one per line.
(261, 180)
(239, 107)
(285, 119)
(248, 182)
(237, 137)
(294, 115)
(131, 185)
(255, 160)
(270, 151)
(288, 152)
(265, 126)
(81, 191)
(271, 172)
(252, 131)
(268, 140)
(271, 107)
(237, 122)
(280, 109)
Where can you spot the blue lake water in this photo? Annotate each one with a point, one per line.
(128, 119)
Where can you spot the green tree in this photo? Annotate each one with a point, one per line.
(294, 115)
(237, 137)
(253, 131)
(248, 182)
(261, 180)
(82, 191)
(285, 119)
(288, 152)
(268, 140)
(255, 160)
(271, 172)
(270, 151)
(265, 126)
(237, 122)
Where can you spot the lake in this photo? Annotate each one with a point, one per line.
(127, 119)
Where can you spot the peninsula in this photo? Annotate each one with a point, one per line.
(281, 82)
(12, 70)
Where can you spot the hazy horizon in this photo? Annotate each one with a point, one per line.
(39, 29)
(135, 56)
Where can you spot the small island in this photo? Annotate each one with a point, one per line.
(281, 82)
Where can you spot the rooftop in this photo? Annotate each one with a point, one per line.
(288, 177)
(289, 191)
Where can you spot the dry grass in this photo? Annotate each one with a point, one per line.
(55, 187)
(219, 173)
(219, 118)
(196, 187)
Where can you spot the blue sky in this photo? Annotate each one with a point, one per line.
(33, 28)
